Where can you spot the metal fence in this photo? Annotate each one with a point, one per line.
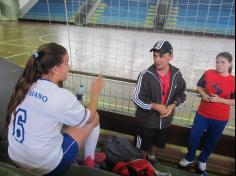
(118, 93)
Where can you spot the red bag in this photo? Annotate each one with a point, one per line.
(139, 167)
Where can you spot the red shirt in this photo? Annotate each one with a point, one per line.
(165, 84)
(224, 87)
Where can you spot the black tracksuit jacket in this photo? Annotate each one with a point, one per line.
(148, 90)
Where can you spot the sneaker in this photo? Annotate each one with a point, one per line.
(202, 166)
(99, 157)
(204, 174)
(152, 159)
(88, 161)
(184, 162)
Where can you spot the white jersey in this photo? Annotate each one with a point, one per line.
(35, 133)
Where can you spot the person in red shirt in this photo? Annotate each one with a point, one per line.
(217, 89)
(158, 91)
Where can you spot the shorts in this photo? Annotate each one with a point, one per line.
(70, 149)
(145, 138)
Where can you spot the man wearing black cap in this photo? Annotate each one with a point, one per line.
(158, 91)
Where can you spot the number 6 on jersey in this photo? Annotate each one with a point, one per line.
(19, 122)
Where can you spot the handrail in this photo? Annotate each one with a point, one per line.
(121, 101)
(116, 78)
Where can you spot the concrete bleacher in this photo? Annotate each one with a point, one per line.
(211, 16)
(54, 9)
(130, 13)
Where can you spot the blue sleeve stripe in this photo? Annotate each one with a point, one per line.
(84, 118)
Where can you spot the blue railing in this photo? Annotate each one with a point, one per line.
(56, 8)
(216, 16)
(125, 12)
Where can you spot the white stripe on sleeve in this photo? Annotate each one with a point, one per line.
(85, 118)
(136, 99)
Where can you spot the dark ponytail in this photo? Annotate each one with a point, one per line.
(228, 57)
(46, 57)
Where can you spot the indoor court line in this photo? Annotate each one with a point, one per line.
(4, 43)
(19, 54)
(38, 36)
(26, 46)
(44, 41)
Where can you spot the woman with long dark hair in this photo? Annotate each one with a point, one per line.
(38, 109)
(217, 89)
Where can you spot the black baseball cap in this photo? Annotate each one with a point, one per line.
(162, 47)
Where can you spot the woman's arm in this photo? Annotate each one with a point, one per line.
(204, 95)
(216, 99)
(97, 86)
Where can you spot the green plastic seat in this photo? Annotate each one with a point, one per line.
(10, 170)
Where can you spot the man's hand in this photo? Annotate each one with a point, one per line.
(170, 109)
(162, 109)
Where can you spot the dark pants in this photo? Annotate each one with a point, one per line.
(214, 129)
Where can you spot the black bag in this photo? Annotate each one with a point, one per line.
(120, 149)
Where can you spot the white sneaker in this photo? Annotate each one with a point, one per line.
(202, 166)
(184, 162)
(152, 159)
